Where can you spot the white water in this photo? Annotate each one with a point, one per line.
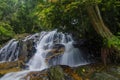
(72, 56)
(15, 75)
(9, 52)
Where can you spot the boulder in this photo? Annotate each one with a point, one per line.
(52, 73)
(37, 75)
(98, 72)
(26, 51)
(103, 76)
(114, 70)
(56, 73)
(57, 50)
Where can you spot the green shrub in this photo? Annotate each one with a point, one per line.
(6, 32)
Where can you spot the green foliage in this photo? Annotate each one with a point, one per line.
(66, 16)
(28, 16)
(114, 41)
(110, 10)
(6, 32)
(18, 14)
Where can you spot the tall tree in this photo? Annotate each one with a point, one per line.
(70, 18)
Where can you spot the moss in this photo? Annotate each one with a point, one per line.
(56, 73)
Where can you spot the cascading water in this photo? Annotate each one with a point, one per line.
(10, 51)
(71, 56)
(38, 61)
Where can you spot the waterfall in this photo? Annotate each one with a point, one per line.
(72, 56)
(47, 41)
(10, 51)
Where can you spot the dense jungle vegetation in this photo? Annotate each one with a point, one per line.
(95, 20)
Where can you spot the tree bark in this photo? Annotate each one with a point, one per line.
(102, 30)
(97, 22)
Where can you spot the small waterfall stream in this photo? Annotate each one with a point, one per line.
(9, 52)
(71, 56)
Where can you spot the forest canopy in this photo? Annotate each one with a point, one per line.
(30, 16)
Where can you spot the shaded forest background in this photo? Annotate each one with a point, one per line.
(72, 16)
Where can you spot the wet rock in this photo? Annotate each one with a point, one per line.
(7, 67)
(27, 47)
(56, 51)
(52, 73)
(38, 75)
(56, 73)
(62, 73)
(22, 51)
(103, 76)
(58, 46)
(98, 72)
(115, 71)
(26, 50)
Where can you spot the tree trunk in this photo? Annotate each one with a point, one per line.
(102, 30)
(97, 22)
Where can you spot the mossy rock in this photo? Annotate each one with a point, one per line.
(103, 76)
(114, 70)
(56, 73)
(52, 73)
